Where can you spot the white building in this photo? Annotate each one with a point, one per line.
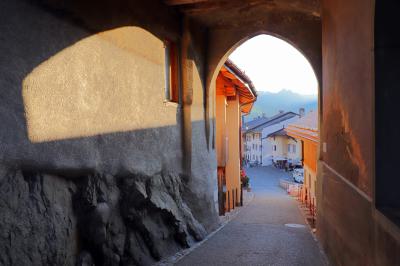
(279, 148)
(253, 132)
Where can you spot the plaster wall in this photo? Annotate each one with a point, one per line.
(281, 147)
(220, 126)
(254, 146)
(310, 177)
(294, 155)
(266, 151)
(233, 163)
(83, 113)
(310, 154)
(350, 228)
(72, 98)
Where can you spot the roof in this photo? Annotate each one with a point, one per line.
(234, 68)
(275, 127)
(309, 121)
(280, 132)
(255, 122)
(305, 128)
(259, 125)
(234, 81)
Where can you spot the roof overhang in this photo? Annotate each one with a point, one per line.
(303, 133)
(237, 83)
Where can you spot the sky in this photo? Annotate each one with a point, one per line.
(273, 64)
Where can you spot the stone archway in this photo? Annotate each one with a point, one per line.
(300, 29)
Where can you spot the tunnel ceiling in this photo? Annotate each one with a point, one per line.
(220, 13)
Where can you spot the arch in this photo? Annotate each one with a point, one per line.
(301, 31)
(223, 59)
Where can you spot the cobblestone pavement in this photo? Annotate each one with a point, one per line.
(258, 234)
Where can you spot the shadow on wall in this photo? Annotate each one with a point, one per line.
(61, 81)
(89, 172)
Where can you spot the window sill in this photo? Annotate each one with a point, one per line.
(392, 214)
(171, 104)
(388, 218)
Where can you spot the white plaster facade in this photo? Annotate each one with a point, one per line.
(268, 144)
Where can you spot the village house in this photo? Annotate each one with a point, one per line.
(252, 140)
(281, 149)
(305, 131)
(235, 95)
(277, 146)
(252, 135)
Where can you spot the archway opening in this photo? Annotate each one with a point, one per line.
(266, 123)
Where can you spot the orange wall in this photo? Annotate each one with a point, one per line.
(228, 139)
(310, 154)
(220, 121)
(233, 158)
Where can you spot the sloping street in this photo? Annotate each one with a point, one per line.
(259, 234)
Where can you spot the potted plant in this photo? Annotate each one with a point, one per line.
(245, 180)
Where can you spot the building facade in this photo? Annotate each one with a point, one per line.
(252, 133)
(253, 149)
(235, 95)
(280, 148)
(305, 131)
(267, 143)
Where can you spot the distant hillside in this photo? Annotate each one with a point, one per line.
(271, 103)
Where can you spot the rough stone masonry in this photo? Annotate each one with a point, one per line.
(96, 219)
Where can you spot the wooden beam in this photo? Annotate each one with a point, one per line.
(182, 2)
(229, 75)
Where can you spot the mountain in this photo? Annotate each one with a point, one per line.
(271, 103)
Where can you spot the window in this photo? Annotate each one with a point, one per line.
(171, 72)
(294, 148)
(274, 147)
(387, 72)
(288, 147)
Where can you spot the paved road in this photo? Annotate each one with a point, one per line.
(258, 235)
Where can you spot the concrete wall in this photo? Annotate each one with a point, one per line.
(86, 134)
(351, 229)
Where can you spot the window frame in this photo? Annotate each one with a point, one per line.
(172, 72)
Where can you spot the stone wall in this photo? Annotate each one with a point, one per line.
(95, 167)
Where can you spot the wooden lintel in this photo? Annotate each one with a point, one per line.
(182, 2)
